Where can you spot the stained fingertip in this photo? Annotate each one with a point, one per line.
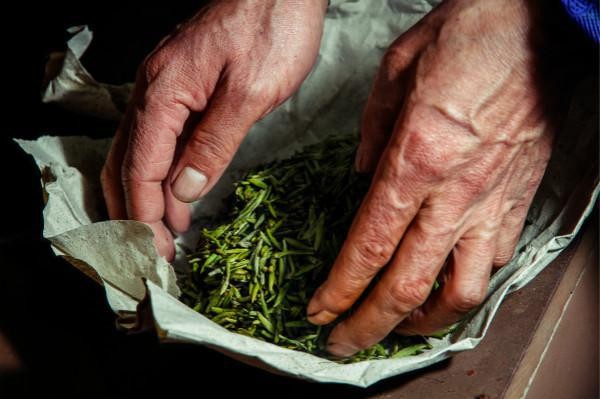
(163, 240)
(341, 350)
(338, 343)
(321, 317)
(316, 312)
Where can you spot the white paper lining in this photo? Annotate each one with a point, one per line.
(120, 253)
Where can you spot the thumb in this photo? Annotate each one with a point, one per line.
(213, 143)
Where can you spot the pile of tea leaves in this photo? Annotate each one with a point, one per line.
(255, 273)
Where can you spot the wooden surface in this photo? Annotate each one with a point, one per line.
(500, 367)
(562, 358)
(78, 352)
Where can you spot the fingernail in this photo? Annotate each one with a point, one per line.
(188, 185)
(341, 350)
(322, 317)
(315, 312)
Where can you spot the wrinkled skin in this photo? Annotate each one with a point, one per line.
(454, 131)
(457, 133)
(225, 68)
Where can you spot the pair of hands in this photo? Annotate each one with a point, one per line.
(454, 130)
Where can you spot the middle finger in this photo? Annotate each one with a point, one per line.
(403, 287)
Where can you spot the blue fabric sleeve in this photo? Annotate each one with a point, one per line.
(585, 13)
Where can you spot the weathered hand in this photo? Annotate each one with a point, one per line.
(457, 132)
(225, 68)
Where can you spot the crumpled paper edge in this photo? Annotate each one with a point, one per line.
(317, 369)
(71, 86)
(467, 336)
(84, 243)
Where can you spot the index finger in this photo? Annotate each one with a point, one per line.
(388, 208)
(110, 177)
(156, 121)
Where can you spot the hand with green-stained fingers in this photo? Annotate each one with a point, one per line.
(458, 136)
(218, 73)
(455, 131)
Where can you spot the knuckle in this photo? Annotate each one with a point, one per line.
(468, 298)
(372, 254)
(501, 259)
(256, 96)
(166, 59)
(135, 165)
(504, 255)
(533, 183)
(166, 84)
(338, 298)
(423, 155)
(151, 67)
(211, 148)
(409, 293)
(437, 229)
(518, 212)
(399, 197)
(396, 58)
(473, 182)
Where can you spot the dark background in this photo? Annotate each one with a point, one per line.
(50, 345)
(50, 348)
